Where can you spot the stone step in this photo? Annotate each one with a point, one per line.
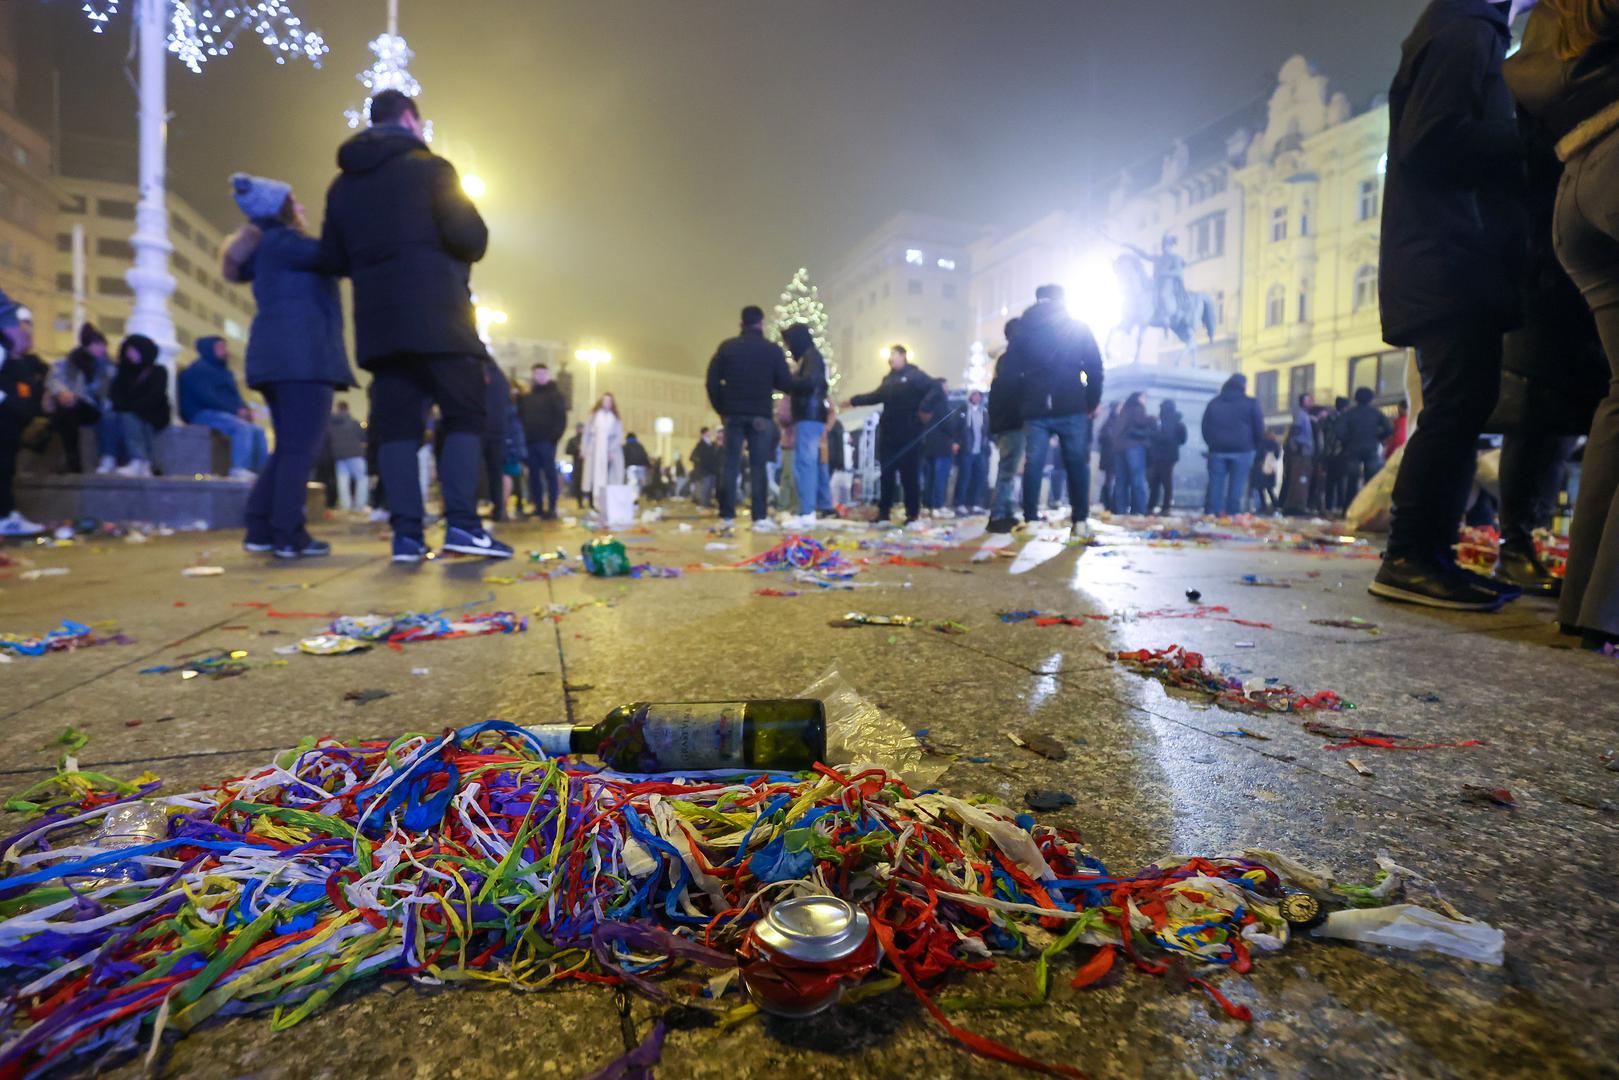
(177, 502)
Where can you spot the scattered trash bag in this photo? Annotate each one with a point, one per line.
(858, 734)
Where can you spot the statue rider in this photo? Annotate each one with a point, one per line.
(1168, 280)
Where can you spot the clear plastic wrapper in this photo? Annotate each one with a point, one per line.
(857, 733)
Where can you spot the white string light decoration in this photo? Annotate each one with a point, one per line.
(200, 32)
(390, 71)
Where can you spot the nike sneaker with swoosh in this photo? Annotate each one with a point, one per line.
(480, 543)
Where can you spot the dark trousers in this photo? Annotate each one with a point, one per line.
(938, 486)
(10, 443)
(67, 423)
(757, 432)
(1531, 474)
(402, 389)
(1160, 486)
(1361, 463)
(1336, 473)
(1074, 444)
(494, 472)
(542, 476)
(1297, 468)
(299, 412)
(1263, 485)
(905, 470)
(1460, 365)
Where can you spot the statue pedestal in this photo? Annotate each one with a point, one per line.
(1191, 389)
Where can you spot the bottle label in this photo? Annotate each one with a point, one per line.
(698, 736)
(555, 739)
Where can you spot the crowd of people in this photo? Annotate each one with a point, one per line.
(1499, 270)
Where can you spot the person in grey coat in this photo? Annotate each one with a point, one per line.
(346, 438)
(295, 356)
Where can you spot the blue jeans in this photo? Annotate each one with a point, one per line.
(938, 481)
(971, 470)
(248, 447)
(1009, 444)
(1132, 495)
(137, 437)
(1074, 441)
(275, 507)
(353, 483)
(813, 482)
(542, 476)
(1228, 482)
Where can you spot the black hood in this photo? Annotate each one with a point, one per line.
(1235, 387)
(375, 147)
(799, 339)
(144, 346)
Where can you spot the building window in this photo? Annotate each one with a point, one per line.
(181, 263)
(117, 209)
(1208, 236)
(114, 249)
(114, 327)
(1275, 306)
(914, 287)
(1300, 380)
(1304, 302)
(947, 264)
(1304, 219)
(178, 224)
(1265, 390)
(1278, 225)
(1383, 373)
(1365, 287)
(948, 290)
(64, 283)
(182, 301)
(1219, 309)
(64, 242)
(113, 286)
(914, 256)
(74, 204)
(1369, 200)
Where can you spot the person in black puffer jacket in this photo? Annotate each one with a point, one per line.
(1234, 429)
(1163, 454)
(939, 448)
(811, 476)
(1006, 429)
(543, 412)
(1058, 368)
(1132, 436)
(745, 371)
(1453, 242)
(1362, 429)
(904, 395)
(399, 224)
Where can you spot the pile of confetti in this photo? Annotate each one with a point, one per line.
(470, 857)
(1180, 669)
(65, 638)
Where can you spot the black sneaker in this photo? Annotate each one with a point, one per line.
(1505, 589)
(1001, 525)
(1435, 585)
(1523, 570)
(309, 549)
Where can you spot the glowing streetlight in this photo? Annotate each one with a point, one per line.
(592, 358)
(473, 185)
(487, 318)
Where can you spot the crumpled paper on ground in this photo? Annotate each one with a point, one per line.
(857, 733)
(1407, 926)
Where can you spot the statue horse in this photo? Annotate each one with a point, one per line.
(1140, 309)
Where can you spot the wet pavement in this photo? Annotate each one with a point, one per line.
(1152, 773)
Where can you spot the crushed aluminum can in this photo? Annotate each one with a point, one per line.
(800, 957)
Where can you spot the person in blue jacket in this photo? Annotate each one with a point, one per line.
(209, 396)
(295, 357)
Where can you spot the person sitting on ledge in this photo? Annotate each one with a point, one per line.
(209, 396)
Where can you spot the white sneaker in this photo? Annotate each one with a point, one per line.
(916, 526)
(944, 512)
(14, 524)
(244, 474)
(1081, 530)
(727, 524)
(133, 469)
(765, 525)
(378, 516)
(106, 465)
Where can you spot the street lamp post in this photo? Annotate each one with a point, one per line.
(591, 358)
(149, 276)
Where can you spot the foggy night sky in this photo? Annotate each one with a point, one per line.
(655, 164)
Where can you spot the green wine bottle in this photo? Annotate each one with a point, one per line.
(645, 737)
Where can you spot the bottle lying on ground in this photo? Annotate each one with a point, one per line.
(784, 735)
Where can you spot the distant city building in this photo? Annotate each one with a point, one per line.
(203, 303)
(1008, 266)
(1313, 198)
(28, 198)
(906, 284)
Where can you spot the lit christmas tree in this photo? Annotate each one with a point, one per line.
(801, 303)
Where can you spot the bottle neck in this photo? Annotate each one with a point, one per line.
(557, 739)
